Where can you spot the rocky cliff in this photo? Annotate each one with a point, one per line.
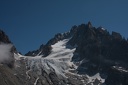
(85, 55)
(97, 50)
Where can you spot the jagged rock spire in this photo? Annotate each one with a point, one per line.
(89, 24)
(3, 37)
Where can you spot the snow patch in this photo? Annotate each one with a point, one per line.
(28, 74)
(121, 69)
(19, 56)
(36, 81)
(96, 76)
(103, 28)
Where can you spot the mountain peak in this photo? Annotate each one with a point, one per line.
(89, 24)
(3, 37)
(93, 54)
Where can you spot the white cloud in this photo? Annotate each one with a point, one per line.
(5, 54)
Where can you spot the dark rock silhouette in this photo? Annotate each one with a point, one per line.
(97, 49)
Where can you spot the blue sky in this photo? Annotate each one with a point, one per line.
(30, 23)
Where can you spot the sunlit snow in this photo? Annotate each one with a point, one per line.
(96, 76)
(103, 28)
(58, 61)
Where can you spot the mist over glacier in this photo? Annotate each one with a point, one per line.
(5, 52)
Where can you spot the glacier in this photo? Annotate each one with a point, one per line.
(58, 61)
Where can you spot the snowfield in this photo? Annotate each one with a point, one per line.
(58, 61)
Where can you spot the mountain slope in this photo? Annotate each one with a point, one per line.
(96, 51)
(58, 64)
(83, 56)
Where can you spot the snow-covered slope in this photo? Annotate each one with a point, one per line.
(58, 61)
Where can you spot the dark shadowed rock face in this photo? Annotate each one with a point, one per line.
(98, 43)
(4, 38)
(44, 50)
(99, 51)
(117, 77)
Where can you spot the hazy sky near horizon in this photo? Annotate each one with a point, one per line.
(30, 23)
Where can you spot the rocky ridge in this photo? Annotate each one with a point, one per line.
(85, 55)
(96, 49)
